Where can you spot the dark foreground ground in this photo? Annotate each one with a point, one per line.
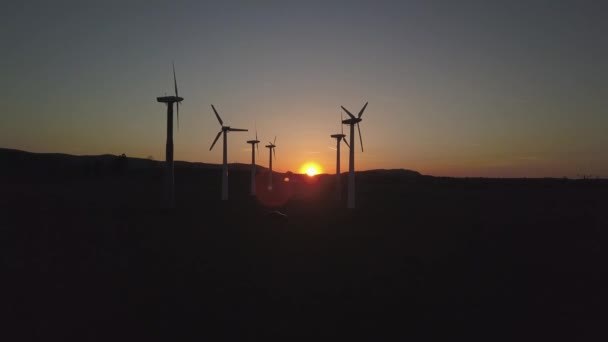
(422, 258)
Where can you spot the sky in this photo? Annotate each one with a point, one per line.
(455, 88)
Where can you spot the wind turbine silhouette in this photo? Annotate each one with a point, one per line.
(351, 161)
(271, 151)
(339, 138)
(224, 130)
(254, 144)
(169, 179)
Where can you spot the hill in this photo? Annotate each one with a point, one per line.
(16, 161)
(29, 164)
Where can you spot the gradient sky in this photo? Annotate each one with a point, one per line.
(455, 88)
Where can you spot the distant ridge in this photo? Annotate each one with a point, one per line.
(401, 172)
(13, 158)
(23, 163)
(18, 159)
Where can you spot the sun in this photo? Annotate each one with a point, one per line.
(311, 169)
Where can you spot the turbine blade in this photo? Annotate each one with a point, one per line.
(341, 124)
(176, 93)
(362, 110)
(275, 140)
(275, 153)
(256, 130)
(360, 138)
(257, 146)
(238, 129)
(175, 80)
(177, 104)
(347, 112)
(214, 141)
(344, 139)
(218, 116)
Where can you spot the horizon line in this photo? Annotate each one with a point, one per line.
(578, 176)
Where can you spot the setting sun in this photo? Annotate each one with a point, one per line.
(311, 169)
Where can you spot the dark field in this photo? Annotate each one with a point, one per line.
(90, 255)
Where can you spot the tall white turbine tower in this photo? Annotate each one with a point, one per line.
(254, 144)
(224, 130)
(339, 138)
(351, 161)
(271, 151)
(169, 179)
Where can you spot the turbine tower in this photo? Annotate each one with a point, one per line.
(169, 180)
(254, 144)
(224, 130)
(271, 151)
(339, 138)
(351, 160)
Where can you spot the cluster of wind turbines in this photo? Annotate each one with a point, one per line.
(169, 174)
(351, 122)
(224, 131)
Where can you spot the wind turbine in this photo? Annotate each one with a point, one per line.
(254, 144)
(224, 130)
(351, 161)
(339, 138)
(271, 151)
(169, 180)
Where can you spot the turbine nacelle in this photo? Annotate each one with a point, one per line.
(352, 121)
(254, 142)
(169, 99)
(271, 144)
(271, 150)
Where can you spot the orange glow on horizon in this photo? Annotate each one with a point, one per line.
(311, 169)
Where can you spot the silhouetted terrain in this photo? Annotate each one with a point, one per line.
(89, 254)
